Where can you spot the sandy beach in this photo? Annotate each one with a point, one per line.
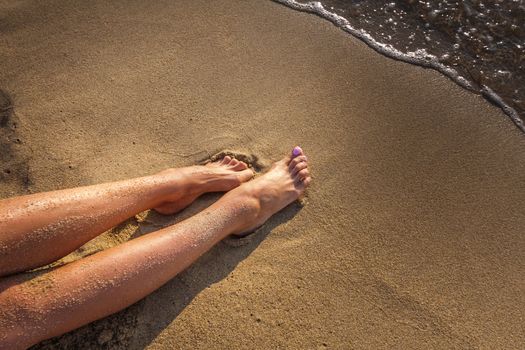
(410, 236)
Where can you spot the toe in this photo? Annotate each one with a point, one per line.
(240, 166)
(299, 167)
(303, 174)
(297, 151)
(233, 162)
(307, 181)
(245, 175)
(301, 184)
(226, 160)
(296, 160)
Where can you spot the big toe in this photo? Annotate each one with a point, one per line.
(245, 175)
(297, 151)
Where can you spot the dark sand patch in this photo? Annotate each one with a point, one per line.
(14, 170)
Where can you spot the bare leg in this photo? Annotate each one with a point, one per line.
(83, 291)
(38, 229)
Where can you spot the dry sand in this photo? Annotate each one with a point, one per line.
(412, 234)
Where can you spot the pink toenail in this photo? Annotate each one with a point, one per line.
(296, 151)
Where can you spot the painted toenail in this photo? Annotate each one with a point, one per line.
(296, 151)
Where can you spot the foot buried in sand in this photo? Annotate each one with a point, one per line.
(220, 176)
(266, 195)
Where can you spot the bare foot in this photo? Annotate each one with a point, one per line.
(268, 194)
(194, 181)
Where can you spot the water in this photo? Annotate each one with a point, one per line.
(478, 44)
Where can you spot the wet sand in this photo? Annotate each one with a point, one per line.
(411, 236)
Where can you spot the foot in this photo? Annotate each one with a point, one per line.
(194, 181)
(268, 194)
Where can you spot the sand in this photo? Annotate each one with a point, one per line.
(411, 236)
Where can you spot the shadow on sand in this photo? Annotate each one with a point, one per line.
(138, 325)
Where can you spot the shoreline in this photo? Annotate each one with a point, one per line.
(421, 59)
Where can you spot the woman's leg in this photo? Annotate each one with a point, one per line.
(91, 288)
(38, 229)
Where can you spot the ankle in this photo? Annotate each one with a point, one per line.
(176, 183)
(245, 209)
